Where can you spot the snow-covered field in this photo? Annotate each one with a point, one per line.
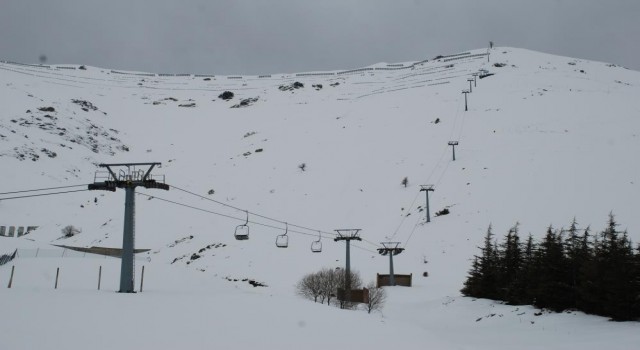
(545, 139)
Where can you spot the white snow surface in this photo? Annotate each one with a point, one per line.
(545, 139)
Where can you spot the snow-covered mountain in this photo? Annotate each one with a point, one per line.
(545, 139)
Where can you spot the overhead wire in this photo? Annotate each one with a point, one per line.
(412, 231)
(42, 194)
(239, 219)
(264, 216)
(250, 212)
(439, 179)
(43, 189)
(418, 194)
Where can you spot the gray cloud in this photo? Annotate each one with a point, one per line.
(271, 36)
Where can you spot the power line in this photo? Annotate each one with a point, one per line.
(42, 194)
(43, 189)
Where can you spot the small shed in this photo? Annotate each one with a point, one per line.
(357, 295)
(401, 280)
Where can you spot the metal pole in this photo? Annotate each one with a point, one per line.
(11, 278)
(128, 242)
(428, 215)
(347, 275)
(465, 100)
(142, 279)
(99, 276)
(392, 279)
(57, 274)
(454, 152)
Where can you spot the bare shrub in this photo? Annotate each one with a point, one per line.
(377, 297)
(70, 231)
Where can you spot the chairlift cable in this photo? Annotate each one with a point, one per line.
(244, 210)
(43, 189)
(42, 194)
(412, 231)
(220, 214)
(453, 129)
(239, 219)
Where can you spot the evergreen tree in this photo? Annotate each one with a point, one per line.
(510, 264)
(472, 284)
(483, 277)
(552, 290)
(526, 278)
(597, 274)
(578, 253)
(616, 273)
(590, 289)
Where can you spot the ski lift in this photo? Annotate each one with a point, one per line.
(242, 231)
(282, 241)
(316, 246)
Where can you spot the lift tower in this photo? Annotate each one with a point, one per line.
(427, 189)
(129, 176)
(347, 235)
(465, 92)
(391, 249)
(453, 144)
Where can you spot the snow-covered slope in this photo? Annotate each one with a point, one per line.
(546, 138)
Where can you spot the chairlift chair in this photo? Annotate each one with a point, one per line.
(282, 241)
(242, 231)
(316, 246)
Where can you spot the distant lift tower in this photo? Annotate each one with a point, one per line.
(347, 235)
(475, 80)
(391, 249)
(427, 188)
(453, 144)
(129, 176)
(470, 80)
(465, 92)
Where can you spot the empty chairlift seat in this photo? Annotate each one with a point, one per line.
(242, 231)
(282, 241)
(316, 246)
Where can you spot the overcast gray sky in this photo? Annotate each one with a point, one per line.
(277, 36)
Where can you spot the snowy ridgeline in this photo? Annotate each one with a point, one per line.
(545, 138)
